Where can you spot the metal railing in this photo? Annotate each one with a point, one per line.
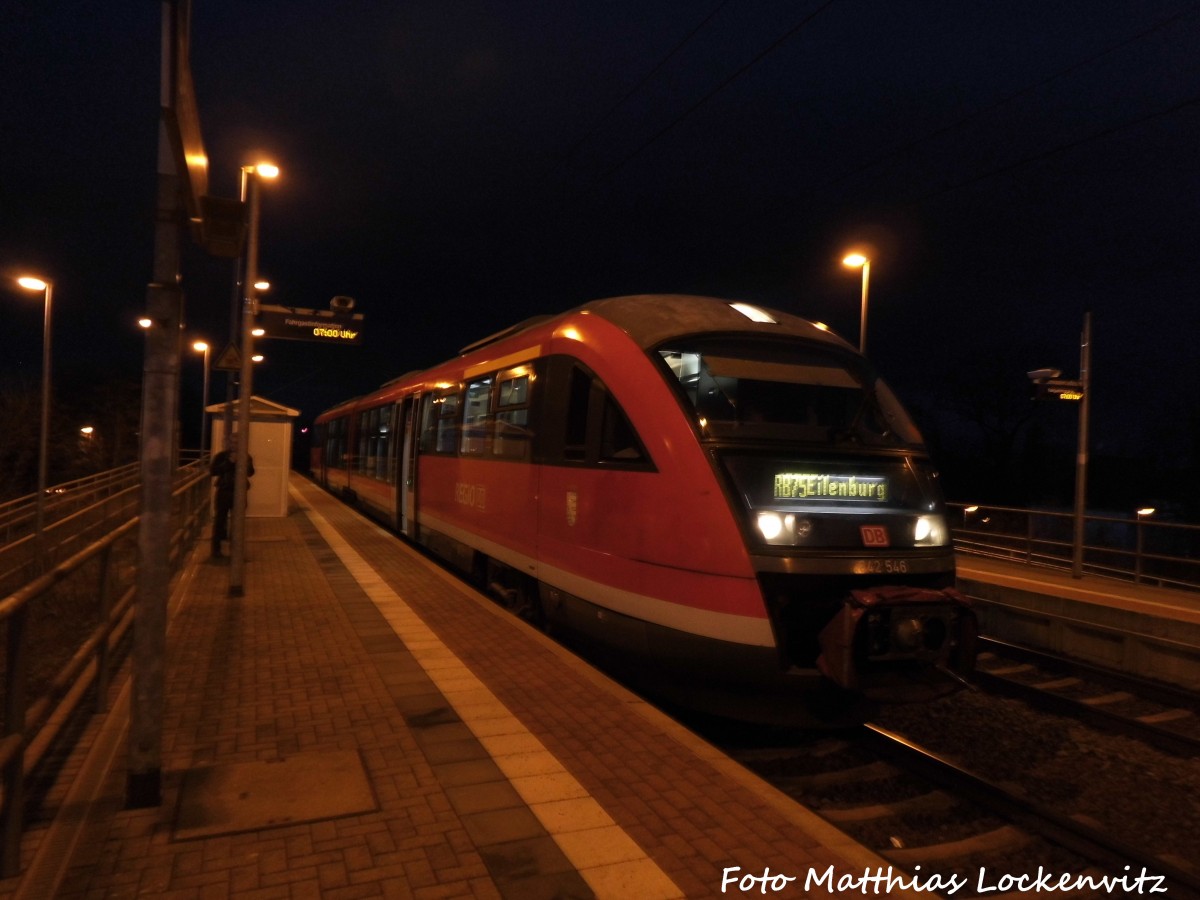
(85, 596)
(1140, 549)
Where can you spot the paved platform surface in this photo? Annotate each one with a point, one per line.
(361, 724)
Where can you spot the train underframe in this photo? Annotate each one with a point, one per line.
(844, 645)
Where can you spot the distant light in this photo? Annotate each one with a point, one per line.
(30, 283)
(855, 260)
(86, 429)
(821, 325)
(145, 322)
(753, 313)
(1146, 511)
(262, 285)
(257, 357)
(971, 509)
(258, 332)
(200, 346)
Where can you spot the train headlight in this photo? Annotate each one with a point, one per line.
(929, 531)
(783, 529)
(770, 524)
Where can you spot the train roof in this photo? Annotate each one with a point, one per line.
(650, 319)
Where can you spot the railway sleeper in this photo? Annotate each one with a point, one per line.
(1002, 839)
(934, 801)
(875, 771)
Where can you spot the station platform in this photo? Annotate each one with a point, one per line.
(1141, 630)
(362, 724)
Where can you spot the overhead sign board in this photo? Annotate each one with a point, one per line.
(321, 325)
(1058, 389)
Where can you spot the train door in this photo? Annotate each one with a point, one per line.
(406, 500)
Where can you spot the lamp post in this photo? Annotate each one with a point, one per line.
(251, 182)
(855, 261)
(203, 347)
(47, 288)
(1081, 452)
(1137, 567)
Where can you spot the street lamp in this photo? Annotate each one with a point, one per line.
(855, 261)
(202, 347)
(47, 288)
(251, 183)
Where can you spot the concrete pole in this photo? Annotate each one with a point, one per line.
(160, 406)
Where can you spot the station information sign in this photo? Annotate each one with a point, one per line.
(321, 325)
(1058, 389)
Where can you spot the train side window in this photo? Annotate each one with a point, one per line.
(618, 441)
(439, 423)
(579, 392)
(594, 429)
(511, 436)
(475, 417)
(335, 444)
(374, 443)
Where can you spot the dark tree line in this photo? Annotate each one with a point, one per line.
(111, 407)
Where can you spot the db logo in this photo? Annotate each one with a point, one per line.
(874, 535)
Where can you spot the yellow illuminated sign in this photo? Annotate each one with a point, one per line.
(813, 486)
(311, 325)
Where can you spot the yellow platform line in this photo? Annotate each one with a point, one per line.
(606, 857)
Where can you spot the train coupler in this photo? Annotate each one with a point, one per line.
(883, 637)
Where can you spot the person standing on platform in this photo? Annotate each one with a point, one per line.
(224, 469)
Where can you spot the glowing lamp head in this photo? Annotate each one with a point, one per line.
(200, 346)
(266, 170)
(855, 260)
(32, 284)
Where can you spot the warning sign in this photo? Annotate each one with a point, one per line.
(230, 359)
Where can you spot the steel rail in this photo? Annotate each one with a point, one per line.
(1065, 831)
(1163, 738)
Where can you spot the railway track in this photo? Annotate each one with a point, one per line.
(955, 829)
(1163, 716)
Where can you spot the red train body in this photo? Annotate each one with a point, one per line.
(721, 502)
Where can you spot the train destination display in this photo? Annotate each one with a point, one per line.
(810, 485)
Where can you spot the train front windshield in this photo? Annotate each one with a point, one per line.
(803, 432)
(786, 391)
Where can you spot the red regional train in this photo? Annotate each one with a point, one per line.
(722, 503)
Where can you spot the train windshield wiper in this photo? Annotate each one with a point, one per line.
(858, 430)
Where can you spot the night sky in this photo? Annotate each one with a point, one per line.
(456, 167)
